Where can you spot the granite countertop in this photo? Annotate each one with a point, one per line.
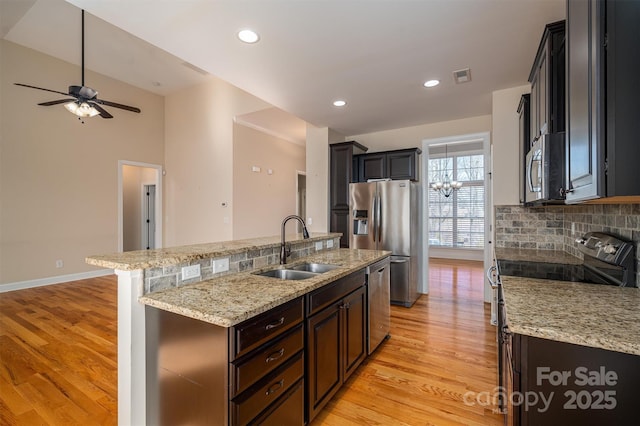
(533, 255)
(231, 299)
(599, 316)
(142, 259)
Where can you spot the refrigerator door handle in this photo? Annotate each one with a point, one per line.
(374, 217)
(399, 261)
(379, 219)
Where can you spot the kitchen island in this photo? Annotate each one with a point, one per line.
(143, 273)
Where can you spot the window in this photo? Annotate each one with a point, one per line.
(457, 220)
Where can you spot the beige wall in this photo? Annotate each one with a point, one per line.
(505, 136)
(412, 137)
(318, 140)
(58, 177)
(261, 200)
(199, 161)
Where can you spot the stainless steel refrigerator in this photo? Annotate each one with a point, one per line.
(385, 215)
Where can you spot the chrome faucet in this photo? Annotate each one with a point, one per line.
(284, 251)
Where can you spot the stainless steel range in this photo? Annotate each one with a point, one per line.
(608, 260)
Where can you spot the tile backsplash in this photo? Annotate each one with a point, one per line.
(164, 277)
(557, 227)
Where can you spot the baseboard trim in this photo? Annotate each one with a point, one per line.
(40, 282)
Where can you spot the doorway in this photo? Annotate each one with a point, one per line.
(465, 147)
(301, 197)
(139, 206)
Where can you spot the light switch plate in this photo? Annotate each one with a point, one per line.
(329, 243)
(220, 265)
(318, 245)
(189, 272)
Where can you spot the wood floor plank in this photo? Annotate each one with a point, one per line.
(58, 350)
(440, 349)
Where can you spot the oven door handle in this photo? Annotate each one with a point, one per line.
(491, 275)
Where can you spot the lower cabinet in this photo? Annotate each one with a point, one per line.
(556, 383)
(277, 368)
(336, 343)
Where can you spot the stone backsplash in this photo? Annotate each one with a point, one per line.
(161, 278)
(557, 227)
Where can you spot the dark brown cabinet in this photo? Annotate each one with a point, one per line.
(547, 80)
(524, 141)
(372, 166)
(336, 338)
(602, 99)
(574, 384)
(341, 174)
(245, 374)
(397, 165)
(280, 367)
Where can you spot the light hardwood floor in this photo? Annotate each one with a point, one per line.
(58, 357)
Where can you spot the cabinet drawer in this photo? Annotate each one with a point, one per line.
(256, 331)
(289, 410)
(257, 364)
(328, 294)
(257, 398)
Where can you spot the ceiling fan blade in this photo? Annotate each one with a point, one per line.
(115, 105)
(41, 88)
(59, 101)
(103, 112)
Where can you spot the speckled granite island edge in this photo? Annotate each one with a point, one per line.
(231, 299)
(142, 259)
(598, 316)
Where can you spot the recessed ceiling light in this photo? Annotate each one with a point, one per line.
(431, 83)
(339, 103)
(248, 36)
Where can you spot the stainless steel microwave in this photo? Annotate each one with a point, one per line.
(545, 170)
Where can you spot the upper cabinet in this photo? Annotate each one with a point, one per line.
(602, 99)
(399, 164)
(547, 80)
(524, 143)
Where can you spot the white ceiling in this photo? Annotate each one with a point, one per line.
(375, 54)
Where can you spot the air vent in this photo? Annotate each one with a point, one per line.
(462, 76)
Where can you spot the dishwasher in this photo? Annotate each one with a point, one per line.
(379, 310)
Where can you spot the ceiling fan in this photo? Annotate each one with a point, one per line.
(85, 102)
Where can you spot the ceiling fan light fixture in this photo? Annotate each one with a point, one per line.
(81, 109)
(248, 36)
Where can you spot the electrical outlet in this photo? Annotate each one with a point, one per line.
(329, 243)
(189, 272)
(59, 264)
(318, 245)
(221, 265)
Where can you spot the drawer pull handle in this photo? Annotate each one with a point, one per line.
(274, 324)
(275, 355)
(275, 387)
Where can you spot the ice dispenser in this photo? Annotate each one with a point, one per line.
(360, 222)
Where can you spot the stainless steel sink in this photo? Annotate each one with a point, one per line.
(287, 274)
(317, 268)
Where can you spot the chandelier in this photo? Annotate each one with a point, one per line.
(446, 186)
